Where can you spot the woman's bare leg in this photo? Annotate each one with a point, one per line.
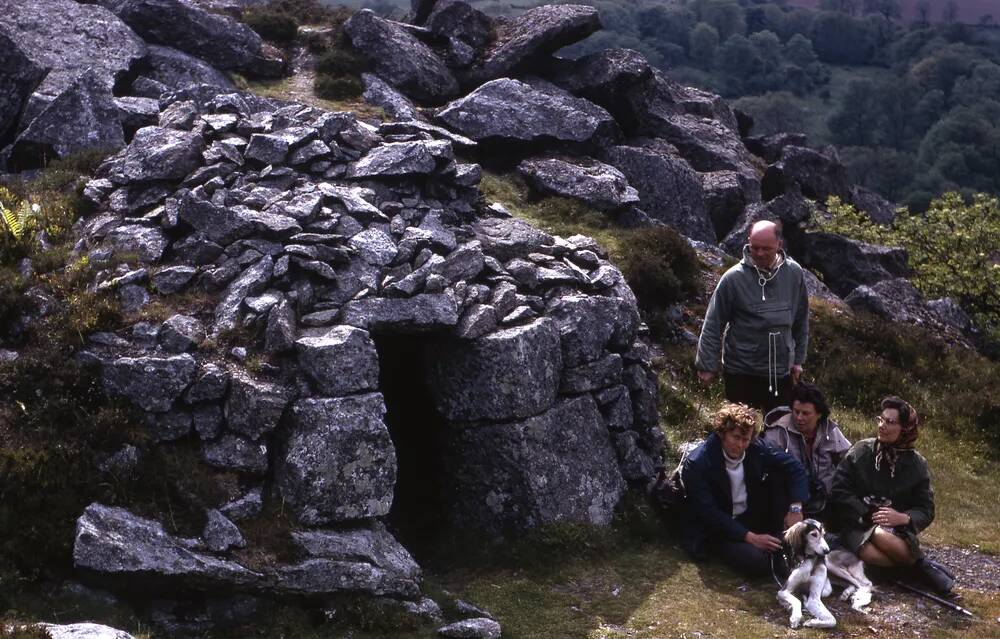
(869, 554)
(894, 548)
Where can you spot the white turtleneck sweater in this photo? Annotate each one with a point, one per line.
(734, 468)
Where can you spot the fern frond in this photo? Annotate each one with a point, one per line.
(12, 222)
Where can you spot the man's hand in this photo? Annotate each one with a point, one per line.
(706, 377)
(796, 373)
(767, 543)
(888, 518)
(791, 519)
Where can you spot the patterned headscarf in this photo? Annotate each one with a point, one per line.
(909, 430)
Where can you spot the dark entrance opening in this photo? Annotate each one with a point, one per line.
(418, 517)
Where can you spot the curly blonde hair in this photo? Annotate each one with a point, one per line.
(735, 416)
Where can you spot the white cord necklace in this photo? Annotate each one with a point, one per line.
(762, 279)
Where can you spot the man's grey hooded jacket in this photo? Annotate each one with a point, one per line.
(766, 327)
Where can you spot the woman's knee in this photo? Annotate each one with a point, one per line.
(894, 548)
(872, 555)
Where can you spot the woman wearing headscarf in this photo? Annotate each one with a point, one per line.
(882, 497)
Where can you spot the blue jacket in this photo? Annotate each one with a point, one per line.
(709, 498)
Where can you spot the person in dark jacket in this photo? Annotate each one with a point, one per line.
(882, 497)
(731, 510)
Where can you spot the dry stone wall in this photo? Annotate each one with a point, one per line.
(319, 234)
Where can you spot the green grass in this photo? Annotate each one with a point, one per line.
(285, 89)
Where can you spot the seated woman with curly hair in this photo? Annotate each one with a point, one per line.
(882, 498)
(731, 507)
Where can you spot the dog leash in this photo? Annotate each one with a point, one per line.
(774, 573)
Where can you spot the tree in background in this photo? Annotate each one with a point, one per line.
(887, 8)
(799, 50)
(848, 7)
(953, 249)
(949, 13)
(897, 104)
(944, 67)
(739, 60)
(983, 83)
(922, 9)
(774, 112)
(887, 171)
(768, 47)
(840, 39)
(702, 43)
(727, 16)
(856, 119)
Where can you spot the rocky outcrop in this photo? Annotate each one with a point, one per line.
(669, 189)
(770, 147)
(114, 541)
(82, 631)
(535, 32)
(340, 464)
(898, 300)
(817, 174)
(90, 38)
(477, 628)
(20, 78)
(401, 59)
(82, 117)
(594, 183)
(604, 77)
(512, 111)
(383, 95)
(555, 466)
(175, 69)
(218, 40)
(880, 210)
(847, 264)
(466, 30)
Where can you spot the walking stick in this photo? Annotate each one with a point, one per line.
(934, 598)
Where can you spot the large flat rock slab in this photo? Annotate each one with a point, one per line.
(509, 374)
(339, 462)
(513, 111)
(400, 59)
(559, 466)
(535, 32)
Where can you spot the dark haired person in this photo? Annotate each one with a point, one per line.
(732, 510)
(882, 497)
(806, 432)
(757, 324)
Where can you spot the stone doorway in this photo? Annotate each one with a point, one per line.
(418, 517)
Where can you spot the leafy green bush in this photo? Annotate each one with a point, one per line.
(659, 265)
(338, 62)
(338, 88)
(303, 11)
(954, 249)
(272, 25)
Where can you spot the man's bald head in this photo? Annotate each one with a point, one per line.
(765, 229)
(765, 242)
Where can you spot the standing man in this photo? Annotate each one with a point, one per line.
(760, 310)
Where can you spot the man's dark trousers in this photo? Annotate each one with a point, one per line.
(752, 391)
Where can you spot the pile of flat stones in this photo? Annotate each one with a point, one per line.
(318, 234)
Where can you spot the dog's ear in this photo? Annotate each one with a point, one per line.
(795, 539)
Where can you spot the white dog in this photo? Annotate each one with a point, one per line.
(812, 563)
